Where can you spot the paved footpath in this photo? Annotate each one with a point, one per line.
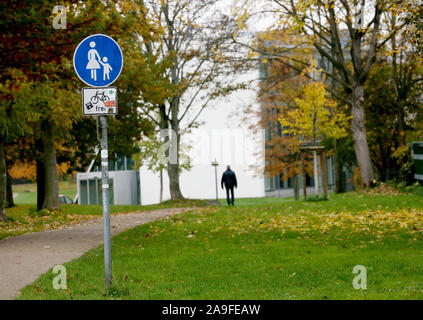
(24, 258)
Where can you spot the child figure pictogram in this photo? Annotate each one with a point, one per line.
(106, 68)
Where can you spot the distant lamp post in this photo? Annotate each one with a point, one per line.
(215, 164)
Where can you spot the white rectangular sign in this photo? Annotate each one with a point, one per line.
(99, 101)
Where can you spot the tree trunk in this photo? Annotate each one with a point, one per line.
(9, 191)
(175, 191)
(39, 151)
(173, 168)
(3, 179)
(359, 136)
(338, 170)
(304, 174)
(51, 197)
(173, 172)
(324, 173)
(41, 186)
(296, 189)
(316, 174)
(173, 160)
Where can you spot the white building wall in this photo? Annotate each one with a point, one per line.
(199, 183)
(226, 137)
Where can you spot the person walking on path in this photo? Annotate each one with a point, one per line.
(229, 179)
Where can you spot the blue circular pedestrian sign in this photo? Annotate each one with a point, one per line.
(98, 60)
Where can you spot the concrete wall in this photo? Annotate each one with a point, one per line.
(125, 185)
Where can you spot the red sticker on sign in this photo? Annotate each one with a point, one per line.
(110, 104)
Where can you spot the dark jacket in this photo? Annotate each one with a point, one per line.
(229, 179)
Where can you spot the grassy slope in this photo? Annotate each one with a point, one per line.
(285, 250)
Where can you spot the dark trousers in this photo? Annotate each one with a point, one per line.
(230, 201)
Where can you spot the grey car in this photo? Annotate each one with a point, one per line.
(65, 199)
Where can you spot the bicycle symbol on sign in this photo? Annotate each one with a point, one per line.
(99, 96)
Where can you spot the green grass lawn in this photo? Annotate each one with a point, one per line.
(255, 201)
(261, 249)
(27, 193)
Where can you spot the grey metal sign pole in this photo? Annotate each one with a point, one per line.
(215, 164)
(106, 206)
(100, 100)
